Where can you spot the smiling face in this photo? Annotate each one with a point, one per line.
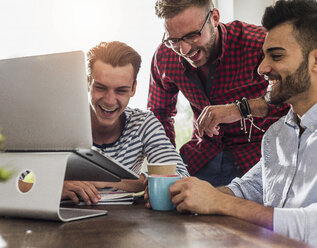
(284, 67)
(191, 20)
(109, 93)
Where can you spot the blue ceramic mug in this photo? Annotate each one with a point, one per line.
(158, 187)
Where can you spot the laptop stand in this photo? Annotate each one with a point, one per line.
(43, 200)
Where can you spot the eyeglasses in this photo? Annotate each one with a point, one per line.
(190, 38)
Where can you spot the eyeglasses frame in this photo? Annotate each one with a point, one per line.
(183, 38)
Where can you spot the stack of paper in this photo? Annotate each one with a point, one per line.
(112, 196)
(117, 197)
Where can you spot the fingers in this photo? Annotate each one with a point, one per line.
(88, 193)
(145, 182)
(213, 131)
(192, 194)
(73, 196)
(212, 116)
(146, 197)
(80, 189)
(179, 195)
(207, 122)
(201, 120)
(146, 194)
(93, 187)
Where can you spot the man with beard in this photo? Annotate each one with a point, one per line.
(125, 134)
(279, 192)
(214, 65)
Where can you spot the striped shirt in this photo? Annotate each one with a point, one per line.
(142, 136)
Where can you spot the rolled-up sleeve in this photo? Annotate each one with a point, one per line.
(297, 223)
(250, 185)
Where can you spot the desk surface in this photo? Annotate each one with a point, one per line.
(137, 227)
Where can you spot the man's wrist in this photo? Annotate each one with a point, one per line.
(259, 107)
(237, 110)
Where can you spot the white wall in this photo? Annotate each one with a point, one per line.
(32, 27)
(249, 11)
(226, 10)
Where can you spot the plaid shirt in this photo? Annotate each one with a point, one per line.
(232, 76)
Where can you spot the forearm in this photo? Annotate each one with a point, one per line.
(225, 190)
(246, 210)
(129, 185)
(259, 107)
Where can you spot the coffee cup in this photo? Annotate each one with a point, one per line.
(161, 168)
(158, 188)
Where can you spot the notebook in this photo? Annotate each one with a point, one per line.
(112, 196)
(44, 109)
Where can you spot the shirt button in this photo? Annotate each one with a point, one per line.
(312, 127)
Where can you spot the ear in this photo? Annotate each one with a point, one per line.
(88, 82)
(313, 60)
(134, 88)
(215, 17)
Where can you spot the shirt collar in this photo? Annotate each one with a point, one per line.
(308, 120)
(223, 34)
(127, 113)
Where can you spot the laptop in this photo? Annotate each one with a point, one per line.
(44, 116)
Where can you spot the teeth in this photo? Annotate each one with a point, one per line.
(272, 82)
(193, 54)
(106, 109)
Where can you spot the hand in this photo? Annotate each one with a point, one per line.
(195, 195)
(146, 194)
(86, 190)
(198, 196)
(211, 116)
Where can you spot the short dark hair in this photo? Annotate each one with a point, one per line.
(302, 14)
(170, 8)
(115, 53)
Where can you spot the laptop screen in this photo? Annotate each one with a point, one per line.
(44, 103)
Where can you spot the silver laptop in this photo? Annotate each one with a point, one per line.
(44, 112)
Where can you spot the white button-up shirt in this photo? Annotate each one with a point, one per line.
(286, 176)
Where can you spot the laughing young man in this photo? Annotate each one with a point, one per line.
(127, 135)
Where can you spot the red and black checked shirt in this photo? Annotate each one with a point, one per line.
(232, 76)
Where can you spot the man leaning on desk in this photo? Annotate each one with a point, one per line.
(127, 135)
(280, 191)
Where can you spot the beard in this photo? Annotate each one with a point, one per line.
(292, 85)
